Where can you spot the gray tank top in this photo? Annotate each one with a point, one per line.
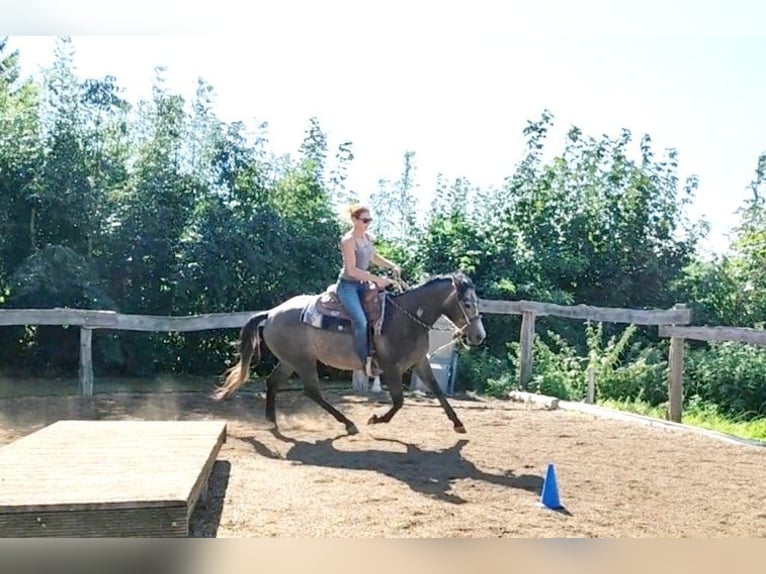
(363, 250)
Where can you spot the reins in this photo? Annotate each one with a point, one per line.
(457, 332)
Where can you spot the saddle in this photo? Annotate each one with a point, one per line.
(329, 304)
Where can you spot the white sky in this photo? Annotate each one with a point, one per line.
(454, 82)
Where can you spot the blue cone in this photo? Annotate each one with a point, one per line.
(550, 494)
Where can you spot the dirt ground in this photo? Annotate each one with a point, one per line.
(416, 477)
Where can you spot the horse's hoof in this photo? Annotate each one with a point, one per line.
(351, 429)
(372, 420)
(460, 429)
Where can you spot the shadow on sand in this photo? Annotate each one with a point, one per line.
(429, 472)
(206, 518)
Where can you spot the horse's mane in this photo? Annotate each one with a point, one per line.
(462, 281)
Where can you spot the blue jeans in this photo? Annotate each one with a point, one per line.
(350, 294)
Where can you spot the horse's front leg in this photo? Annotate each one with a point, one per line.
(426, 374)
(393, 379)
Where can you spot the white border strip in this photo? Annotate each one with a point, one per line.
(585, 408)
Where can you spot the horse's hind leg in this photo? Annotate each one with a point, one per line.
(311, 389)
(279, 375)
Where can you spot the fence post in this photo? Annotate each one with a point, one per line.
(590, 397)
(676, 379)
(359, 381)
(526, 340)
(676, 376)
(86, 361)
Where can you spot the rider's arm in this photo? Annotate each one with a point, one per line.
(381, 261)
(349, 262)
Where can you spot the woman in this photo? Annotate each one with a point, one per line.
(358, 252)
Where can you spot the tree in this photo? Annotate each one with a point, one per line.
(155, 208)
(395, 205)
(21, 155)
(593, 225)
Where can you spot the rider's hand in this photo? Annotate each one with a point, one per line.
(383, 282)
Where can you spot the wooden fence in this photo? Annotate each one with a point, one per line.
(676, 359)
(671, 323)
(88, 320)
(678, 315)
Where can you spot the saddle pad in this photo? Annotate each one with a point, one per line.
(311, 316)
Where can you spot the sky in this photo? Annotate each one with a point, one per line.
(453, 82)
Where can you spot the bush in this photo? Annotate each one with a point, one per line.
(621, 372)
(558, 373)
(477, 367)
(644, 378)
(730, 375)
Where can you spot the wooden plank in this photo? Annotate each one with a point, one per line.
(550, 403)
(133, 522)
(111, 320)
(58, 316)
(117, 472)
(736, 334)
(153, 323)
(588, 312)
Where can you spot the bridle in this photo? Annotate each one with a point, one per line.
(457, 332)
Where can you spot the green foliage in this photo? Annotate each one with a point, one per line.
(620, 371)
(595, 223)
(477, 368)
(451, 243)
(395, 206)
(21, 152)
(699, 414)
(713, 290)
(730, 375)
(56, 276)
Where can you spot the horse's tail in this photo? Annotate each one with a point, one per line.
(249, 348)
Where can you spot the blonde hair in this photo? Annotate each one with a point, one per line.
(356, 208)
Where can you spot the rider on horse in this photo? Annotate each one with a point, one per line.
(358, 252)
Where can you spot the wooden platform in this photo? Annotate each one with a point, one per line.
(107, 478)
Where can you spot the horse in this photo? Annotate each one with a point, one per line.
(314, 327)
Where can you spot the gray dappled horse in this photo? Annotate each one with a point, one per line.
(310, 328)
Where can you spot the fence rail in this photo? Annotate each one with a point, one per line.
(672, 323)
(112, 320)
(676, 355)
(678, 315)
(737, 334)
(88, 320)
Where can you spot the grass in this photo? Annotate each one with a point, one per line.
(698, 415)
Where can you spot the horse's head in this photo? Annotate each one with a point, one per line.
(462, 308)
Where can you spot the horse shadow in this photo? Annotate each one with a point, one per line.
(428, 472)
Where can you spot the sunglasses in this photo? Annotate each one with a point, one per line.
(365, 219)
